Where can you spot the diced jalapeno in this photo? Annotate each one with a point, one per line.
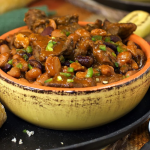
(70, 69)
(107, 39)
(10, 62)
(71, 61)
(102, 47)
(30, 67)
(25, 57)
(48, 80)
(29, 49)
(89, 73)
(67, 33)
(113, 54)
(59, 78)
(50, 45)
(65, 74)
(19, 65)
(116, 64)
(70, 80)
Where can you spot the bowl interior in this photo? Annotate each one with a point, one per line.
(141, 42)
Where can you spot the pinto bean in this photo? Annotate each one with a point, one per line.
(33, 74)
(124, 58)
(57, 33)
(52, 66)
(14, 72)
(130, 73)
(81, 74)
(24, 80)
(107, 70)
(100, 32)
(3, 59)
(42, 78)
(52, 23)
(77, 66)
(4, 49)
(82, 32)
(20, 63)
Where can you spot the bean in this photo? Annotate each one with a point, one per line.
(57, 33)
(3, 59)
(82, 32)
(47, 31)
(110, 45)
(100, 32)
(115, 38)
(52, 23)
(81, 74)
(14, 72)
(36, 64)
(42, 78)
(77, 66)
(33, 74)
(52, 65)
(106, 70)
(6, 68)
(4, 49)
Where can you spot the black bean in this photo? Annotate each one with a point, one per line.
(6, 68)
(110, 45)
(66, 63)
(36, 64)
(115, 38)
(86, 61)
(47, 31)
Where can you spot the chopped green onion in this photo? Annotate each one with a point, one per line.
(25, 57)
(97, 79)
(10, 62)
(70, 80)
(112, 42)
(116, 64)
(50, 45)
(102, 47)
(89, 73)
(48, 80)
(119, 49)
(127, 76)
(65, 74)
(97, 74)
(67, 33)
(107, 39)
(113, 54)
(24, 131)
(59, 78)
(30, 67)
(29, 49)
(71, 61)
(96, 37)
(70, 69)
(19, 65)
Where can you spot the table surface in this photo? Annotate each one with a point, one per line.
(90, 11)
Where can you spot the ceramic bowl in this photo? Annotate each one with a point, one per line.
(75, 108)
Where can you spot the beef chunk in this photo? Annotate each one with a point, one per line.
(36, 20)
(96, 25)
(121, 29)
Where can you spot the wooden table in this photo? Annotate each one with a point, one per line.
(88, 11)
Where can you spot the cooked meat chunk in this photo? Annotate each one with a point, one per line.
(121, 29)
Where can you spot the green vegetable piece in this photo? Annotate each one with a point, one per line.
(29, 49)
(119, 49)
(67, 33)
(107, 39)
(116, 64)
(62, 59)
(59, 78)
(65, 74)
(113, 54)
(10, 62)
(70, 69)
(97, 74)
(70, 80)
(19, 65)
(48, 80)
(20, 50)
(96, 37)
(102, 47)
(24, 131)
(25, 57)
(30, 67)
(49, 46)
(71, 61)
(89, 73)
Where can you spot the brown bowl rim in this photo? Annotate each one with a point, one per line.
(145, 46)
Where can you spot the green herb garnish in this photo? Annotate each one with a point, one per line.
(30, 67)
(89, 73)
(113, 54)
(65, 74)
(19, 65)
(116, 64)
(70, 69)
(70, 80)
(96, 37)
(102, 47)
(29, 49)
(48, 80)
(10, 62)
(25, 57)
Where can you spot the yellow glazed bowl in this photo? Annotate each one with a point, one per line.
(75, 108)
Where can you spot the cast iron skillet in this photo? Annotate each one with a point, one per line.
(126, 5)
(91, 139)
